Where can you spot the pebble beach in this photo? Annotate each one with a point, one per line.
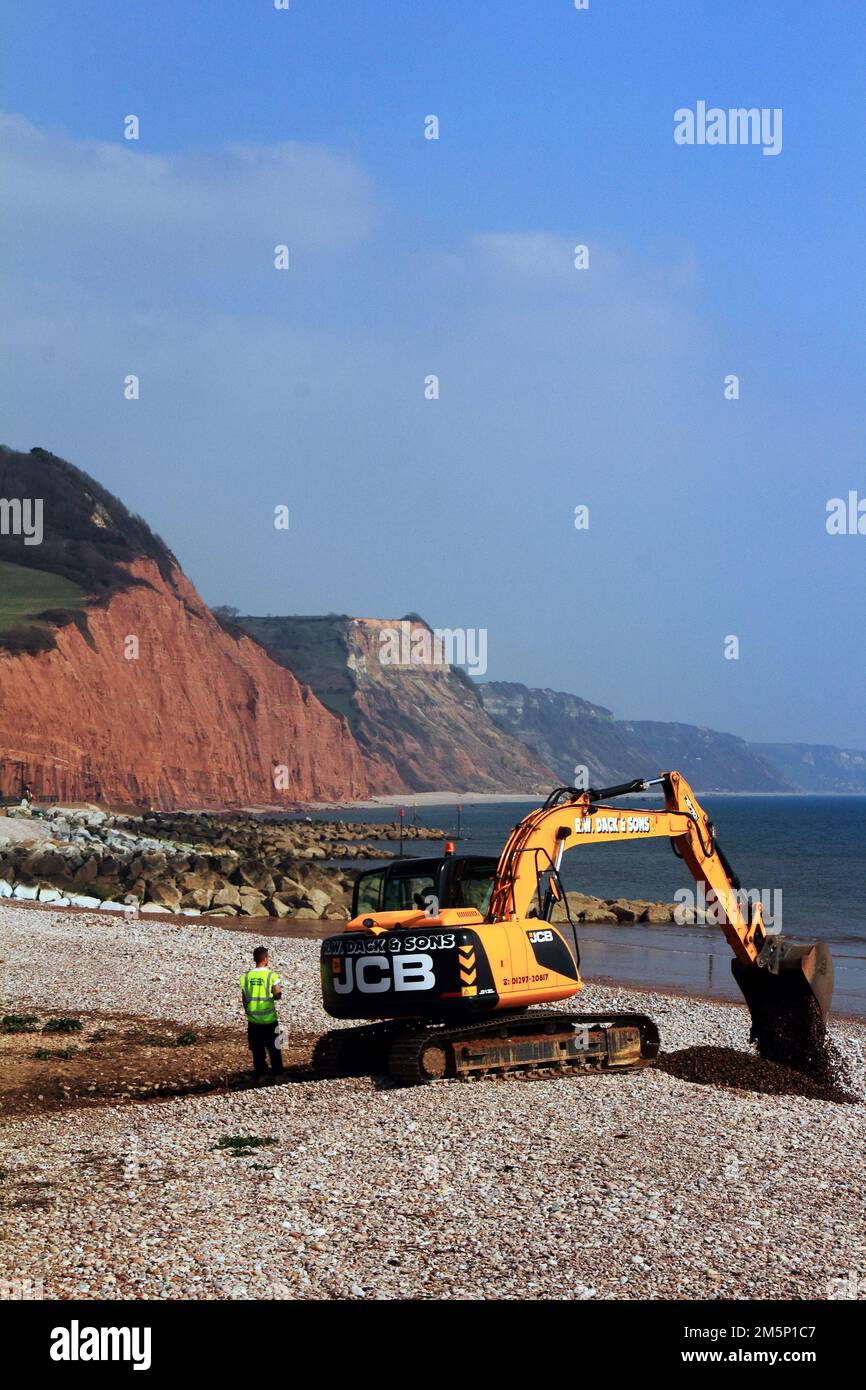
(711, 1175)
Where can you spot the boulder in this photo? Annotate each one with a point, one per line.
(625, 911)
(252, 906)
(199, 880)
(151, 863)
(253, 874)
(585, 908)
(88, 871)
(224, 864)
(602, 916)
(690, 916)
(102, 887)
(318, 900)
(53, 895)
(291, 887)
(227, 896)
(657, 914)
(44, 863)
(165, 895)
(199, 899)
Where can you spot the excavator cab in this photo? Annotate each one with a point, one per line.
(408, 885)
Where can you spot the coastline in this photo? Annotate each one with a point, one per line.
(449, 798)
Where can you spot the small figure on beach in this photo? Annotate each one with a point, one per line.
(260, 989)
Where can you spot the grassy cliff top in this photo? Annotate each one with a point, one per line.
(76, 557)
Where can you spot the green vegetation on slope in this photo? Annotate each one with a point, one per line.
(89, 541)
(25, 594)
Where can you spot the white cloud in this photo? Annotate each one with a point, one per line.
(72, 204)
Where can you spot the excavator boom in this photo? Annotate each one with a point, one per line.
(787, 987)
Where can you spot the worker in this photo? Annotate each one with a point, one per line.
(260, 988)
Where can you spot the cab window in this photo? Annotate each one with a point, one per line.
(408, 892)
(473, 885)
(369, 892)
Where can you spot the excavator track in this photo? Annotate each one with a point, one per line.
(360, 1051)
(535, 1042)
(538, 1041)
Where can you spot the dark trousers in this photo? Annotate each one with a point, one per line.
(265, 1038)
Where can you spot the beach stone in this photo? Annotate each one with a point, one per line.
(253, 907)
(53, 895)
(657, 914)
(227, 896)
(165, 895)
(199, 898)
(317, 899)
(87, 872)
(255, 875)
(625, 911)
(46, 863)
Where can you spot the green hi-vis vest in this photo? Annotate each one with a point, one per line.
(256, 986)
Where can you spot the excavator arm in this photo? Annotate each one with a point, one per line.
(788, 988)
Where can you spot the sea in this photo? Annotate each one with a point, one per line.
(805, 854)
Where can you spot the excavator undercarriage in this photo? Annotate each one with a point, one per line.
(538, 1041)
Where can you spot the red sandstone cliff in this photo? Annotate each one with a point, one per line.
(198, 719)
(421, 718)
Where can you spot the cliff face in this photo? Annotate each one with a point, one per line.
(118, 684)
(569, 733)
(198, 718)
(817, 767)
(422, 720)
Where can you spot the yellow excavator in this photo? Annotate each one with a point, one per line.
(452, 956)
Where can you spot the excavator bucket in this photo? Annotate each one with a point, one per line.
(789, 1001)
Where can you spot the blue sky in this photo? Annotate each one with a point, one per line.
(558, 387)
